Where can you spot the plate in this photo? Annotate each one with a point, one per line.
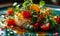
(53, 7)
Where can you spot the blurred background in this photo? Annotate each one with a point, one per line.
(6, 2)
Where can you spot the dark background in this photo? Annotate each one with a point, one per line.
(21, 1)
(35, 1)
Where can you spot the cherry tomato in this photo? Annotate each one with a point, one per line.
(26, 14)
(45, 27)
(56, 33)
(57, 19)
(36, 25)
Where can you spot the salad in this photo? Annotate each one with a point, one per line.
(31, 17)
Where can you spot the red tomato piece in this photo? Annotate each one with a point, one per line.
(26, 14)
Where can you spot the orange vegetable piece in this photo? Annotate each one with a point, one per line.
(10, 11)
(21, 31)
(41, 33)
(35, 7)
